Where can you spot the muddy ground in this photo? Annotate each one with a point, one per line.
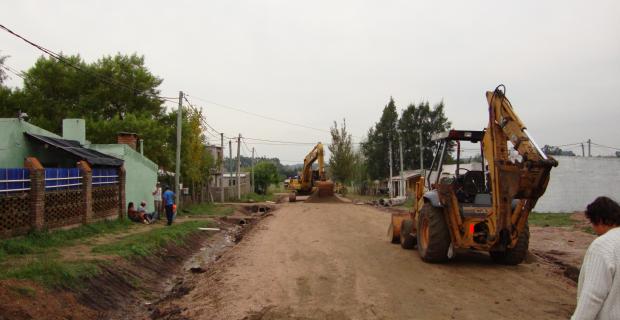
(332, 261)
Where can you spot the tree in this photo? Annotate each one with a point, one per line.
(341, 160)
(265, 174)
(3, 75)
(557, 151)
(377, 145)
(430, 121)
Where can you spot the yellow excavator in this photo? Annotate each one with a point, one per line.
(311, 180)
(483, 207)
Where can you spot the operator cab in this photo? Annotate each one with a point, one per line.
(466, 172)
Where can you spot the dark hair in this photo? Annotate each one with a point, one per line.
(129, 205)
(604, 211)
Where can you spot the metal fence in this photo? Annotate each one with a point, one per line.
(14, 180)
(62, 178)
(105, 176)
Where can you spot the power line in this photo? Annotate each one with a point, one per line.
(13, 71)
(259, 115)
(604, 146)
(72, 65)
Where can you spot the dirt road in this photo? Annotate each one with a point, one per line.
(332, 261)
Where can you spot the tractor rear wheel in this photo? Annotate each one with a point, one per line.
(433, 234)
(516, 255)
(407, 241)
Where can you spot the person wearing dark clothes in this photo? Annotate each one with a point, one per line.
(169, 202)
(134, 215)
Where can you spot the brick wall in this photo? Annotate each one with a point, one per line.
(38, 208)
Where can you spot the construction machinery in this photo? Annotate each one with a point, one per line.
(485, 206)
(311, 180)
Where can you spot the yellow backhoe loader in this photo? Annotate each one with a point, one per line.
(484, 207)
(313, 180)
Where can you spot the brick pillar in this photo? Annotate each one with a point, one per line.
(87, 191)
(121, 192)
(37, 192)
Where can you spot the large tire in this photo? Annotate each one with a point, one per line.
(433, 234)
(516, 255)
(391, 236)
(407, 241)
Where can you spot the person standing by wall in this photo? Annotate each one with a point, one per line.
(157, 197)
(598, 292)
(168, 198)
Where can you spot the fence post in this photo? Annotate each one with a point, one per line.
(37, 192)
(87, 191)
(121, 192)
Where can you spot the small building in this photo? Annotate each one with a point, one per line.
(140, 172)
(411, 177)
(47, 181)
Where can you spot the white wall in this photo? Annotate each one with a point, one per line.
(577, 181)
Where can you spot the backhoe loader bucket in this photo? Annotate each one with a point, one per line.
(325, 188)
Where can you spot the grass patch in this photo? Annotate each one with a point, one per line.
(146, 243)
(359, 197)
(38, 241)
(24, 291)
(52, 273)
(550, 219)
(209, 209)
(255, 197)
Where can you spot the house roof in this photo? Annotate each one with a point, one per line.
(74, 148)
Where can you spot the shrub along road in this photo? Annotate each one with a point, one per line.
(332, 261)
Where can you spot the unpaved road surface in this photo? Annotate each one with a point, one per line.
(332, 261)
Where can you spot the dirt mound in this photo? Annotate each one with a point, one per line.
(20, 299)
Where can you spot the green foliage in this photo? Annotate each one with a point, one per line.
(375, 149)
(143, 244)
(550, 219)
(52, 273)
(431, 121)
(341, 160)
(255, 197)
(208, 209)
(377, 145)
(196, 160)
(265, 174)
(37, 242)
(3, 74)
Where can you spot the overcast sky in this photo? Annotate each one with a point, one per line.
(314, 62)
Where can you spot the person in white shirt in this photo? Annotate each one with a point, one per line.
(157, 198)
(598, 292)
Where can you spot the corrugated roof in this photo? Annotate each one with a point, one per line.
(73, 147)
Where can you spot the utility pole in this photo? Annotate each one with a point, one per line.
(177, 172)
(230, 162)
(589, 147)
(238, 167)
(421, 151)
(253, 170)
(391, 192)
(222, 168)
(583, 150)
(402, 172)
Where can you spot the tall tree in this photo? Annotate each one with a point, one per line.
(341, 160)
(377, 145)
(430, 121)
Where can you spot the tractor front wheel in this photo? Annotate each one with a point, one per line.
(516, 255)
(407, 241)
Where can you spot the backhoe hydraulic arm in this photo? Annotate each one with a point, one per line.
(523, 179)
